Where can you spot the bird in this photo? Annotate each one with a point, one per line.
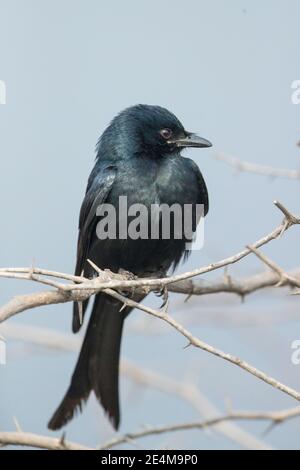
(138, 156)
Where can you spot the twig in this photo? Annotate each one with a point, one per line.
(274, 416)
(288, 222)
(45, 442)
(284, 278)
(241, 287)
(186, 391)
(190, 393)
(87, 287)
(43, 272)
(41, 442)
(264, 170)
(207, 347)
(97, 284)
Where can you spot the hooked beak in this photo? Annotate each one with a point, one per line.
(192, 140)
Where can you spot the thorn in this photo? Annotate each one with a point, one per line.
(284, 228)
(62, 440)
(190, 293)
(31, 272)
(290, 218)
(98, 270)
(226, 275)
(80, 312)
(187, 345)
(294, 293)
(33, 264)
(188, 297)
(269, 428)
(123, 307)
(17, 424)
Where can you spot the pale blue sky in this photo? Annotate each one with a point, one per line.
(225, 68)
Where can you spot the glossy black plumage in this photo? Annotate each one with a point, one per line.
(134, 159)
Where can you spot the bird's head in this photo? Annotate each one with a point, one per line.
(150, 129)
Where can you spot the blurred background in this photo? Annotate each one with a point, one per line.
(225, 68)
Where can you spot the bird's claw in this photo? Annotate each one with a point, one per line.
(163, 292)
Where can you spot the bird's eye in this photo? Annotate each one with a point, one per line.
(166, 133)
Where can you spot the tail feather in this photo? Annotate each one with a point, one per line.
(97, 367)
(65, 412)
(79, 309)
(104, 367)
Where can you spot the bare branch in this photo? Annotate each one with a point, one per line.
(106, 279)
(45, 442)
(241, 287)
(284, 278)
(207, 347)
(189, 392)
(41, 442)
(274, 417)
(45, 298)
(264, 170)
(185, 390)
(106, 282)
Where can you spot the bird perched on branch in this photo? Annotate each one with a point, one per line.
(138, 157)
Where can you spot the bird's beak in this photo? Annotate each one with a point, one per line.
(192, 140)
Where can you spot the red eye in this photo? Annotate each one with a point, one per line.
(166, 133)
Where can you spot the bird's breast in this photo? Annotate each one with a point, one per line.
(148, 184)
(167, 181)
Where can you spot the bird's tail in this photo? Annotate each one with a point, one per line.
(97, 367)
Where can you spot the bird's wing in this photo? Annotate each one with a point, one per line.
(203, 193)
(202, 198)
(96, 195)
(99, 186)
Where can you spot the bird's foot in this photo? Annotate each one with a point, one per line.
(127, 274)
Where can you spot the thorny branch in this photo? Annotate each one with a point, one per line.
(35, 440)
(264, 170)
(185, 390)
(44, 442)
(107, 282)
(84, 287)
(275, 417)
